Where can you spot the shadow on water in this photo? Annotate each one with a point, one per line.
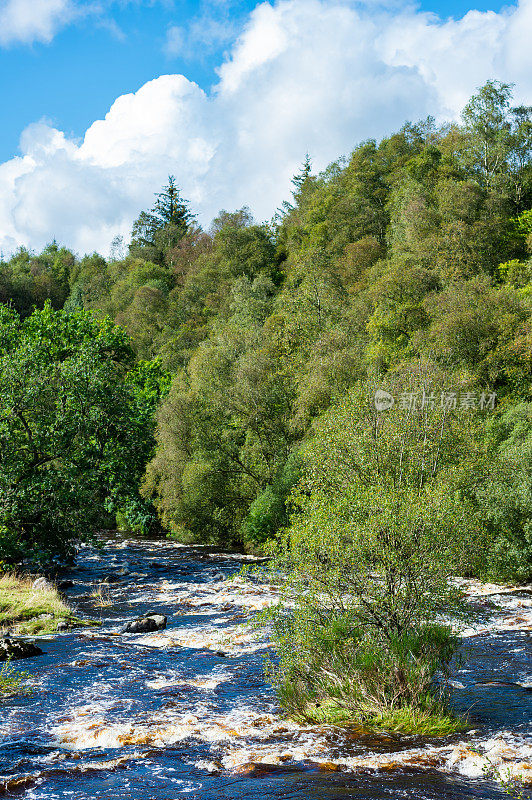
(116, 716)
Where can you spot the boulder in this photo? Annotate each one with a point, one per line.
(159, 619)
(41, 585)
(147, 624)
(17, 648)
(65, 585)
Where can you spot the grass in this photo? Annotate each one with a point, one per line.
(407, 721)
(24, 610)
(102, 596)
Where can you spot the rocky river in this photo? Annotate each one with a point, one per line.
(185, 712)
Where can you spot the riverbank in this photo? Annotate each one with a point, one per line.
(32, 607)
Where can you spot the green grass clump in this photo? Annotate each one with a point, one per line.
(33, 612)
(42, 627)
(407, 721)
(327, 712)
(414, 721)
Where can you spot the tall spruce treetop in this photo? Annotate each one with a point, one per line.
(157, 231)
(298, 182)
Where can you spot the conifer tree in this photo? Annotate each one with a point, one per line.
(157, 231)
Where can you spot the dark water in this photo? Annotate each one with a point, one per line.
(125, 717)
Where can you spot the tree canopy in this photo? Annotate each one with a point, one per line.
(414, 250)
(76, 428)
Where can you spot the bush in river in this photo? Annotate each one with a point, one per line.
(381, 521)
(13, 681)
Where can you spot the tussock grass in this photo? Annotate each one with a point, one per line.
(407, 721)
(102, 596)
(420, 722)
(25, 610)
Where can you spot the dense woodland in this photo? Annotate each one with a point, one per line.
(347, 388)
(249, 352)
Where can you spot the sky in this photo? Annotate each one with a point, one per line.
(100, 100)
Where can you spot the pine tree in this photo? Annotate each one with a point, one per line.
(299, 182)
(156, 231)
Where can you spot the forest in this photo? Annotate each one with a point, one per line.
(347, 387)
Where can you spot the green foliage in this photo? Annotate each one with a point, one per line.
(26, 611)
(381, 522)
(238, 391)
(268, 512)
(408, 721)
(506, 497)
(414, 247)
(28, 281)
(157, 231)
(75, 427)
(13, 681)
(500, 139)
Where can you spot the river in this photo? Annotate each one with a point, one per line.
(185, 712)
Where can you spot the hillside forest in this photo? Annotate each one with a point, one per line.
(220, 385)
(346, 389)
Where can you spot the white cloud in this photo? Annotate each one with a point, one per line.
(175, 41)
(304, 75)
(27, 21)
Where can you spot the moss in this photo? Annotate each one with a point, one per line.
(25, 610)
(408, 721)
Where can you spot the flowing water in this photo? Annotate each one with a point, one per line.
(185, 712)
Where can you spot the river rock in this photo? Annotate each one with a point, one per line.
(159, 619)
(41, 585)
(17, 648)
(146, 624)
(218, 576)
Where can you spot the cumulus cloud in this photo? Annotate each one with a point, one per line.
(304, 75)
(28, 21)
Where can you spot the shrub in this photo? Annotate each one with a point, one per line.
(13, 681)
(379, 527)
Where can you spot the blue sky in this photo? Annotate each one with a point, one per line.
(277, 79)
(74, 79)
